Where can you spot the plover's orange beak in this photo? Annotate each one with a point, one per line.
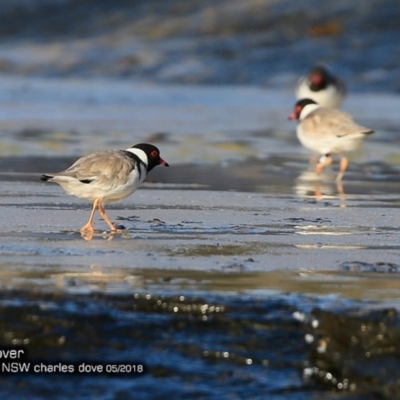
(292, 116)
(163, 162)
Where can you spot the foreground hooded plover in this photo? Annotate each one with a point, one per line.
(107, 176)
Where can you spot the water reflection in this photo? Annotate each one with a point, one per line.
(89, 235)
(321, 187)
(97, 278)
(374, 283)
(312, 346)
(316, 343)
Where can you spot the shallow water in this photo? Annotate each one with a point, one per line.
(238, 273)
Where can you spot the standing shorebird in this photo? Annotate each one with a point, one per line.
(327, 131)
(107, 176)
(321, 86)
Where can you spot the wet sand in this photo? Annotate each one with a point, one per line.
(171, 229)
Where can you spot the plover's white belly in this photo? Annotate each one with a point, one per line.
(332, 144)
(109, 192)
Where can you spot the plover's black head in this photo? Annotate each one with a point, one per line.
(153, 155)
(298, 108)
(319, 78)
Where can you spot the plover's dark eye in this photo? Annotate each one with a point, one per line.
(154, 154)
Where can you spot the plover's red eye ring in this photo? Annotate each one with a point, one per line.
(154, 153)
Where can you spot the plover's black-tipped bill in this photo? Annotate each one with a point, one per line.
(163, 162)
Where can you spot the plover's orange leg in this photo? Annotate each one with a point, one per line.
(323, 162)
(88, 227)
(343, 165)
(318, 192)
(104, 215)
(342, 195)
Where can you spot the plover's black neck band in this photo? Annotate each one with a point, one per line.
(137, 162)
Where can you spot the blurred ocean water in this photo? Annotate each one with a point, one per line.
(258, 42)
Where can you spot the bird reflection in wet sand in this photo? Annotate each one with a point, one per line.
(106, 177)
(107, 236)
(320, 187)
